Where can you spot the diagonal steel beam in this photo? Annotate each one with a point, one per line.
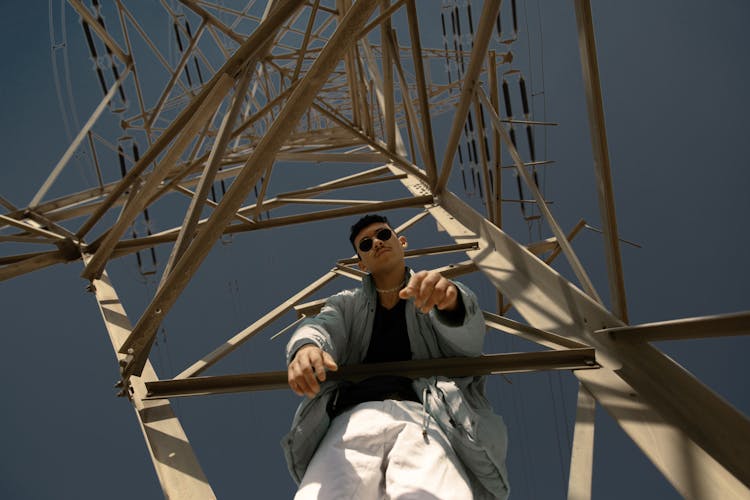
(380, 91)
(233, 343)
(679, 416)
(213, 20)
(176, 465)
(597, 128)
(30, 263)
(305, 40)
(402, 162)
(582, 455)
(385, 13)
(424, 106)
(7, 204)
(389, 109)
(263, 156)
(527, 332)
(391, 44)
(155, 112)
(252, 46)
(483, 155)
(25, 239)
(567, 249)
(207, 178)
(350, 67)
(668, 413)
(366, 91)
(31, 228)
(208, 101)
(497, 214)
(77, 141)
(143, 194)
(99, 29)
(471, 77)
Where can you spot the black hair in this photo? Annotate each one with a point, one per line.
(363, 223)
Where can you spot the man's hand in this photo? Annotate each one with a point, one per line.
(430, 288)
(307, 368)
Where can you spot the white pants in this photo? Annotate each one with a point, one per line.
(377, 451)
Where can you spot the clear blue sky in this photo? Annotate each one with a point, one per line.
(675, 78)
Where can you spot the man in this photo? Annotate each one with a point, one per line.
(389, 436)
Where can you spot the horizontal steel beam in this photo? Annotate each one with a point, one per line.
(721, 325)
(570, 359)
(418, 252)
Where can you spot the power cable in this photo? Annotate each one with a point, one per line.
(528, 114)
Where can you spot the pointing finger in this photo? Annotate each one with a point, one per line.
(329, 363)
(413, 286)
(426, 289)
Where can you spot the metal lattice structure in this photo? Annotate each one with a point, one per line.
(258, 86)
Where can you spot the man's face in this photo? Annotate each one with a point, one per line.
(382, 255)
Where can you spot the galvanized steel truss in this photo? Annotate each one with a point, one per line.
(327, 81)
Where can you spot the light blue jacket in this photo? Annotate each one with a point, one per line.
(343, 329)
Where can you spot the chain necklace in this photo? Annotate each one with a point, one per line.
(391, 290)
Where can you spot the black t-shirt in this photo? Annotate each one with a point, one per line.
(390, 340)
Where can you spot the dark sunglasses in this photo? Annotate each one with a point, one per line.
(383, 235)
